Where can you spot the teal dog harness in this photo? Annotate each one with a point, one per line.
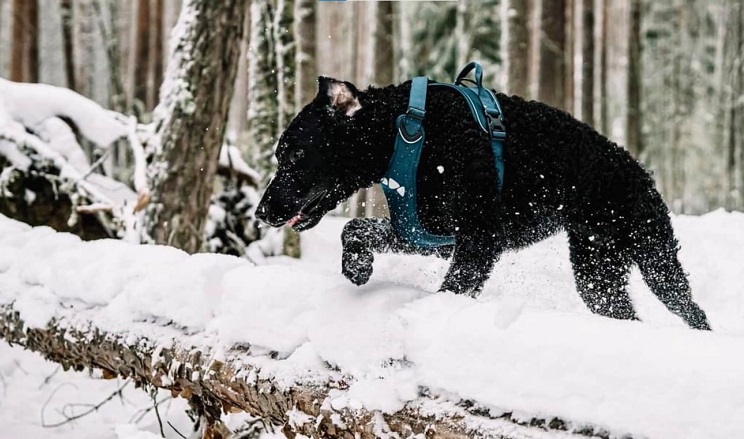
(399, 184)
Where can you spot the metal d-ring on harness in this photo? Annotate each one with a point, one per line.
(399, 184)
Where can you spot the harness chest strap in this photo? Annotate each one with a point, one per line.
(399, 184)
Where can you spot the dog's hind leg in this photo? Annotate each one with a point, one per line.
(362, 237)
(474, 257)
(601, 272)
(656, 256)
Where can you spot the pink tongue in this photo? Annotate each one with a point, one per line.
(294, 220)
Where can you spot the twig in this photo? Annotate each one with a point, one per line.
(92, 408)
(141, 413)
(176, 430)
(49, 377)
(96, 164)
(94, 208)
(154, 397)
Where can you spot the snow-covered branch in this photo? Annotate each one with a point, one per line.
(39, 128)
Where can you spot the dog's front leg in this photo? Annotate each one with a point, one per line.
(474, 257)
(362, 237)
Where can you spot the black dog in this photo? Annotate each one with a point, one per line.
(560, 174)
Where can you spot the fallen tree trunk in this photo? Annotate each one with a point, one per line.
(296, 345)
(214, 387)
(76, 304)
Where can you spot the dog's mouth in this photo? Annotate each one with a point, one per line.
(308, 216)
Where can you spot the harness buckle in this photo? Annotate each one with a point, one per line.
(495, 123)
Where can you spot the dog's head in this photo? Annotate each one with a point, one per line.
(315, 157)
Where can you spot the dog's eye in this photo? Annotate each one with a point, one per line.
(296, 155)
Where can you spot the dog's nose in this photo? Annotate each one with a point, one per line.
(262, 212)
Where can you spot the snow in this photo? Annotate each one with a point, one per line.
(34, 391)
(527, 346)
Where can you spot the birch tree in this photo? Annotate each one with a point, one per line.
(190, 120)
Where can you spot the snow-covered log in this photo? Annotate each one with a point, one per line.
(297, 345)
(92, 324)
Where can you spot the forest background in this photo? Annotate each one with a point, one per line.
(662, 78)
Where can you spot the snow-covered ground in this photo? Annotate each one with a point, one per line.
(527, 345)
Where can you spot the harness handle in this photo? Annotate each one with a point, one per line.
(478, 74)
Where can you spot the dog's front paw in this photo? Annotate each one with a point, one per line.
(357, 266)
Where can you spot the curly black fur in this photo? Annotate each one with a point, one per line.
(560, 175)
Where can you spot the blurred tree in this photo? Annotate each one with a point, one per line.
(551, 81)
(24, 59)
(140, 58)
(603, 48)
(285, 48)
(306, 64)
(68, 19)
(515, 21)
(262, 89)
(156, 52)
(731, 95)
(570, 15)
(633, 120)
(587, 61)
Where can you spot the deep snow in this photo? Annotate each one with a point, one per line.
(527, 345)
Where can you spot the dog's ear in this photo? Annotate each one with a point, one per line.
(340, 95)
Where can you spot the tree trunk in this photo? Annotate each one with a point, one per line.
(156, 54)
(383, 66)
(285, 62)
(239, 105)
(68, 18)
(587, 61)
(604, 116)
(569, 54)
(733, 104)
(383, 52)
(140, 58)
(24, 52)
(552, 63)
(305, 34)
(515, 19)
(633, 121)
(262, 104)
(191, 120)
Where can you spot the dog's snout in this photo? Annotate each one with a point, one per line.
(262, 212)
